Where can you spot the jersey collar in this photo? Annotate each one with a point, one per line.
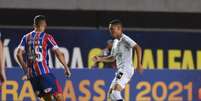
(36, 32)
(122, 36)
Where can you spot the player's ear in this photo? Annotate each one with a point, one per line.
(34, 25)
(122, 29)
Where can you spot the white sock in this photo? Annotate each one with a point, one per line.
(116, 95)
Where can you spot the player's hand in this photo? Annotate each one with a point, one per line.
(140, 68)
(67, 73)
(24, 77)
(97, 59)
(27, 74)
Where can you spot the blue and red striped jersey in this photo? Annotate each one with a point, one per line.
(36, 46)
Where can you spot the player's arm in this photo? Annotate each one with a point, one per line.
(20, 53)
(138, 50)
(109, 58)
(20, 59)
(1, 62)
(60, 56)
(131, 43)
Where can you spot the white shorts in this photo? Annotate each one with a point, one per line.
(121, 78)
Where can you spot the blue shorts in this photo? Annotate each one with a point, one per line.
(46, 84)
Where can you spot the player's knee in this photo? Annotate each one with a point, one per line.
(116, 95)
(59, 97)
(47, 97)
(117, 87)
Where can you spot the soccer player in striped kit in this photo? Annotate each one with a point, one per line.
(35, 46)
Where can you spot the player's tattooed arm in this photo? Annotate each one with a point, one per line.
(20, 59)
(60, 56)
(139, 57)
(103, 59)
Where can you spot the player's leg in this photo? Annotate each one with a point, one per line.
(58, 95)
(110, 89)
(117, 86)
(51, 85)
(48, 97)
(115, 93)
(109, 93)
(36, 85)
(45, 86)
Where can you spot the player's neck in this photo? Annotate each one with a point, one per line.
(37, 30)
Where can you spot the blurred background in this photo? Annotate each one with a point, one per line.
(169, 32)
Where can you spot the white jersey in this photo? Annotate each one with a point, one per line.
(122, 50)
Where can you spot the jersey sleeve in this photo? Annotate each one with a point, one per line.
(52, 43)
(22, 43)
(131, 43)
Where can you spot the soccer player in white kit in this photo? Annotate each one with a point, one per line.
(122, 52)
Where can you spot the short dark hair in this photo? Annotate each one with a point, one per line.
(116, 22)
(38, 18)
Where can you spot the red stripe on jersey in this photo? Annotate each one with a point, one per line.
(52, 41)
(36, 63)
(44, 53)
(37, 68)
(28, 37)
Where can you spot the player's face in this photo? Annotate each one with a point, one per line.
(115, 30)
(42, 25)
